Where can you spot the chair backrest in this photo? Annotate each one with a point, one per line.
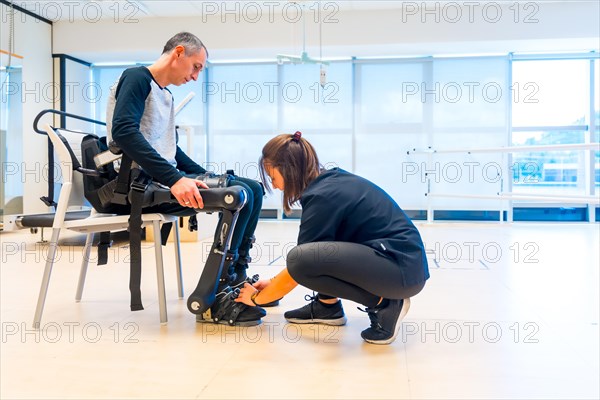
(68, 147)
(74, 140)
(66, 165)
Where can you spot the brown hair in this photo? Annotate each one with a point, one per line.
(296, 160)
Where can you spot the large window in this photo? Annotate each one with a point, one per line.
(469, 104)
(372, 117)
(596, 136)
(541, 89)
(407, 106)
(323, 112)
(104, 78)
(242, 116)
(391, 119)
(551, 106)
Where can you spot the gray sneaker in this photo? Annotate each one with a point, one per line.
(316, 312)
(385, 321)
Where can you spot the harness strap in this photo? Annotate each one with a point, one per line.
(138, 187)
(123, 180)
(165, 231)
(49, 200)
(103, 246)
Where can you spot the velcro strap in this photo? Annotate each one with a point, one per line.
(135, 250)
(235, 312)
(165, 231)
(103, 246)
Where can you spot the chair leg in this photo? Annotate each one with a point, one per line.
(160, 275)
(178, 261)
(84, 265)
(46, 279)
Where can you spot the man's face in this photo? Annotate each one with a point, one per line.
(187, 67)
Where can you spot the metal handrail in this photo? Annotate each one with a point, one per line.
(63, 113)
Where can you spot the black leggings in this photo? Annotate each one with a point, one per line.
(348, 270)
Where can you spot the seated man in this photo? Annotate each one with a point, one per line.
(141, 121)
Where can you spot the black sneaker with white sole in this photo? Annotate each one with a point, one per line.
(317, 312)
(226, 310)
(386, 320)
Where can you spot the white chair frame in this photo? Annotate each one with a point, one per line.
(100, 223)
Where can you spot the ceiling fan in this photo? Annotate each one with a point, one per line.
(304, 58)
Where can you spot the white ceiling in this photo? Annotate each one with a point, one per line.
(162, 8)
(95, 10)
(567, 26)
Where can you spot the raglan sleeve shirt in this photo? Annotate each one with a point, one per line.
(186, 164)
(130, 101)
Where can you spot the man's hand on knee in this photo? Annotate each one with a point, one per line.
(186, 192)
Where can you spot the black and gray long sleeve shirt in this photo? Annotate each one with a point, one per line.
(140, 118)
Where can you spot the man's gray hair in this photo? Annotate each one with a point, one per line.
(189, 41)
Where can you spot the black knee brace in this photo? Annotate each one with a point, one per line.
(215, 181)
(244, 252)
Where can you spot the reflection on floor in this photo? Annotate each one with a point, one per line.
(510, 311)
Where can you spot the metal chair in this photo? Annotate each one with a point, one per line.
(97, 222)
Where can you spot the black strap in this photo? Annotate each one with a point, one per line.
(165, 231)
(103, 246)
(123, 181)
(138, 187)
(49, 200)
(193, 223)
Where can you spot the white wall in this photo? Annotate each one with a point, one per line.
(33, 41)
(539, 26)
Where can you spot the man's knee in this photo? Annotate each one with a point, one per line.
(254, 188)
(259, 193)
(250, 200)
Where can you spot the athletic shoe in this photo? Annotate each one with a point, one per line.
(316, 312)
(385, 321)
(226, 310)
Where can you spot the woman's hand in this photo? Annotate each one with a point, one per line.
(246, 292)
(270, 290)
(260, 285)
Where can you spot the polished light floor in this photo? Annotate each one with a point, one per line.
(510, 312)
